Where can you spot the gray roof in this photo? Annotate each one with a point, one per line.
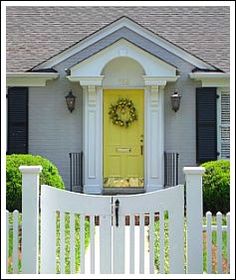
(34, 34)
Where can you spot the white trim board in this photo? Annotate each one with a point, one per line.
(94, 65)
(211, 79)
(29, 79)
(124, 22)
(93, 138)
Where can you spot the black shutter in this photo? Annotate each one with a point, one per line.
(17, 141)
(206, 142)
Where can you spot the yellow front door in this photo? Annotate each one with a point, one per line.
(123, 146)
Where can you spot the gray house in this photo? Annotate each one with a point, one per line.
(119, 98)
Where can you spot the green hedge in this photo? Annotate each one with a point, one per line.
(216, 186)
(49, 176)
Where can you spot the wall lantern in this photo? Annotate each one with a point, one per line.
(70, 101)
(175, 101)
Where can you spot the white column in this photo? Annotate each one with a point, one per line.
(92, 139)
(154, 137)
(193, 178)
(161, 135)
(30, 218)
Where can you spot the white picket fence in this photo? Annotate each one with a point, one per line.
(219, 229)
(13, 227)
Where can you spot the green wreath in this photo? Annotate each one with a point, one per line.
(123, 113)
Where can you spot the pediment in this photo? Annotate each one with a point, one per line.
(94, 65)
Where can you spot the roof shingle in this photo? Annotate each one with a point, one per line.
(34, 34)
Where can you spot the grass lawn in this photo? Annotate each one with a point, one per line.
(214, 246)
(67, 243)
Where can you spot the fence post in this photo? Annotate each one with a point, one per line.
(30, 218)
(193, 178)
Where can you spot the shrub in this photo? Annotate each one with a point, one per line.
(216, 186)
(49, 176)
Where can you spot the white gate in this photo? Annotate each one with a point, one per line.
(113, 213)
(130, 229)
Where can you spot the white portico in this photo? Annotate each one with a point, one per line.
(123, 65)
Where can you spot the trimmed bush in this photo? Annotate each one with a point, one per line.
(49, 176)
(216, 186)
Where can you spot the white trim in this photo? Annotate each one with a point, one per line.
(125, 22)
(193, 170)
(123, 87)
(205, 75)
(158, 81)
(85, 81)
(158, 73)
(32, 75)
(29, 79)
(153, 135)
(154, 138)
(30, 169)
(92, 145)
(95, 64)
(212, 79)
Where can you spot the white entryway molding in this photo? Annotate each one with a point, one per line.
(90, 75)
(92, 139)
(154, 137)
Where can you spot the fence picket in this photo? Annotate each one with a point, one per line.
(62, 239)
(15, 242)
(72, 243)
(48, 237)
(7, 239)
(105, 244)
(209, 242)
(141, 243)
(119, 246)
(151, 243)
(132, 242)
(209, 228)
(219, 228)
(219, 242)
(228, 242)
(82, 246)
(162, 240)
(92, 245)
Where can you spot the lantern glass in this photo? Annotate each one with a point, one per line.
(175, 101)
(70, 100)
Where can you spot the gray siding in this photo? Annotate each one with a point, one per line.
(54, 131)
(180, 127)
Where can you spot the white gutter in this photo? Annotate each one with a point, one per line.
(29, 79)
(200, 75)
(211, 79)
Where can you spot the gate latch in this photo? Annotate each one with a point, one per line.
(117, 203)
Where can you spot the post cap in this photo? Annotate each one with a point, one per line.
(194, 170)
(30, 169)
